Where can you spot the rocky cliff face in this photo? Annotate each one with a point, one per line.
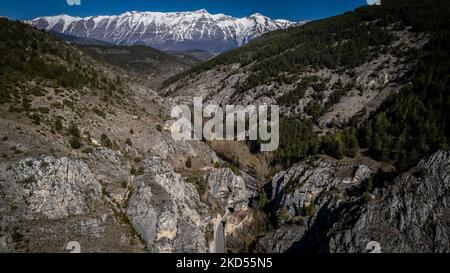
(229, 189)
(410, 215)
(47, 202)
(167, 211)
(320, 209)
(54, 187)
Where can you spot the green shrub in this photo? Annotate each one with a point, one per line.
(74, 130)
(36, 118)
(333, 146)
(263, 200)
(199, 182)
(36, 91)
(75, 142)
(283, 216)
(366, 197)
(189, 162)
(88, 150)
(58, 124)
(105, 141)
(137, 172)
(75, 136)
(311, 209)
(420, 173)
(128, 142)
(159, 127)
(99, 112)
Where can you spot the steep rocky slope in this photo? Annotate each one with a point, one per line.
(321, 209)
(332, 90)
(85, 157)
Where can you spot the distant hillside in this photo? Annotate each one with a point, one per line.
(141, 62)
(78, 40)
(196, 54)
(35, 55)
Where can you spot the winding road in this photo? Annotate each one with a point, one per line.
(220, 237)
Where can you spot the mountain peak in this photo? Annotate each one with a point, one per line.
(62, 16)
(128, 13)
(166, 31)
(201, 11)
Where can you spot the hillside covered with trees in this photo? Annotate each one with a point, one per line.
(407, 126)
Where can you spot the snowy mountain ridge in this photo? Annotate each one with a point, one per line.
(166, 31)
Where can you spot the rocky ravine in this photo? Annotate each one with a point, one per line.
(320, 209)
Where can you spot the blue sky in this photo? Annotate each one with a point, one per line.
(294, 10)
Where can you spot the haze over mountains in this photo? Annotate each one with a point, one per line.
(166, 31)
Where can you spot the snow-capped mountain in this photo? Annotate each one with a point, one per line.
(166, 31)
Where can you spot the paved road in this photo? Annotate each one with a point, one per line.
(219, 234)
(220, 238)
